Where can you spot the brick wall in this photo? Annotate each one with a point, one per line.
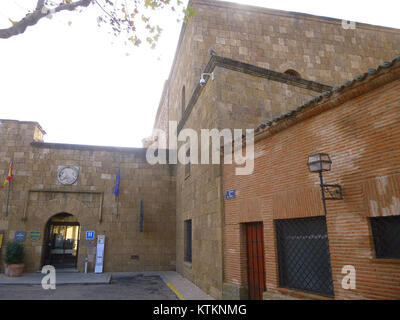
(362, 136)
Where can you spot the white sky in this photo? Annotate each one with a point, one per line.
(84, 89)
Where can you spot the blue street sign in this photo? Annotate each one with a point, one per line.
(230, 194)
(20, 236)
(89, 235)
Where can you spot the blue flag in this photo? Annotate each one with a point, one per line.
(116, 189)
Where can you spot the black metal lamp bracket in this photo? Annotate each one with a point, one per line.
(330, 191)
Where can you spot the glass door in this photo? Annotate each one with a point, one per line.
(64, 244)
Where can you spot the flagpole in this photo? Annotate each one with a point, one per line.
(116, 189)
(117, 204)
(8, 197)
(9, 179)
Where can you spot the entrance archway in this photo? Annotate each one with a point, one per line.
(61, 241)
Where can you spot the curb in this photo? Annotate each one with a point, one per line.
(172, 287)
(177, 293)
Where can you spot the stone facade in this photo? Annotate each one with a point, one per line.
(35, 197)
(320, 49)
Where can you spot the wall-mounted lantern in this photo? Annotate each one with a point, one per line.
(321, 162)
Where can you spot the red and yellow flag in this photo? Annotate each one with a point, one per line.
(9, 177)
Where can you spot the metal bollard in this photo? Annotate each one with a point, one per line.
(86, 263)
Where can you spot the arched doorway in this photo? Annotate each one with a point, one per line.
(61, 241)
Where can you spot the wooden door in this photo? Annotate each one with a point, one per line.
(255, 260)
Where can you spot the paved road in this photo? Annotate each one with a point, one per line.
(131, 288)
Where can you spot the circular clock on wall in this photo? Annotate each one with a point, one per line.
(67, 175)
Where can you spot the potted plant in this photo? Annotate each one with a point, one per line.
(14, 259)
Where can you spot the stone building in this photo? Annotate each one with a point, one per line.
(48, 207)
(265, 62)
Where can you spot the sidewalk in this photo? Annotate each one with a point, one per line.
(183, 288)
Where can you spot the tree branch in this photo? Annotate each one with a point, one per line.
(34, 17)
(39, 4)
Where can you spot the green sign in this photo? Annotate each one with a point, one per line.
(34, 235)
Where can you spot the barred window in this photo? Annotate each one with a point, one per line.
(303, 255)
(188, 240)
(386, 235)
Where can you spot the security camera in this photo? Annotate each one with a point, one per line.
(203, 81)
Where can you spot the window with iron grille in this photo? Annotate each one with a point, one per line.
(188, 240)
(303, 255)
(386, 234)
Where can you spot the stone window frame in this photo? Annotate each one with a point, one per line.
(188, 240)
